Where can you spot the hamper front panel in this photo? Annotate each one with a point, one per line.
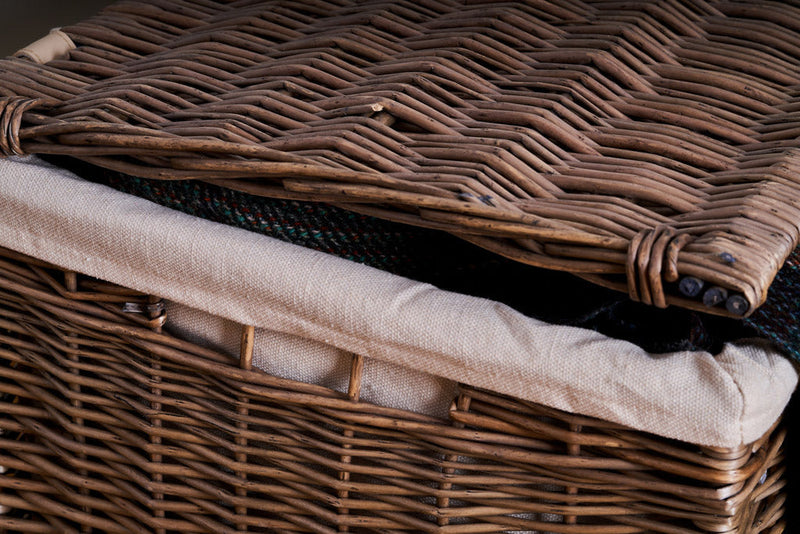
(111, 424)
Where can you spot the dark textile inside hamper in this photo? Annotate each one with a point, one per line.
(455, 265)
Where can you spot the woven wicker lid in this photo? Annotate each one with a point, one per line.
(647, 146)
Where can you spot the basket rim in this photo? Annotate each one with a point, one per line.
(273, 285)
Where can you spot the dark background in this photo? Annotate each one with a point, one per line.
(24, 21)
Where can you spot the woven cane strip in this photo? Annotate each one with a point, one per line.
(551, 132)
(237, 450)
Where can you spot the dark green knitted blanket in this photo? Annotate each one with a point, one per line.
(455, 265)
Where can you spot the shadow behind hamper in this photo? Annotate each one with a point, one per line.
(119, 418)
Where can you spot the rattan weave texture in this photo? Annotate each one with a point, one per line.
(649, 146)
(110, 424)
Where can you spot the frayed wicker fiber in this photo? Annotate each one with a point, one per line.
(111, 424)
(648, 146)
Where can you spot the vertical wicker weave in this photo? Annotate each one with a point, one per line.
(648, 146)
(110, 424)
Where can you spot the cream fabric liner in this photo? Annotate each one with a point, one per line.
(309, 302)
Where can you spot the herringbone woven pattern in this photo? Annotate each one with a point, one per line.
(649, 146)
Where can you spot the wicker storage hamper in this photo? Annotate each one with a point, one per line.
(123, 412)
(163, 373)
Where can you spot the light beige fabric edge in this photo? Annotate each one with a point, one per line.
(54, 45)
(723, 400)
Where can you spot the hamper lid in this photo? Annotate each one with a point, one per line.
(650, 147)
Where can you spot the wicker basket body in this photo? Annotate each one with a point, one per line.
(635, 143)
(110, 424)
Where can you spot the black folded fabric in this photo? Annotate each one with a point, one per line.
(452, 264)
(778, 319)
